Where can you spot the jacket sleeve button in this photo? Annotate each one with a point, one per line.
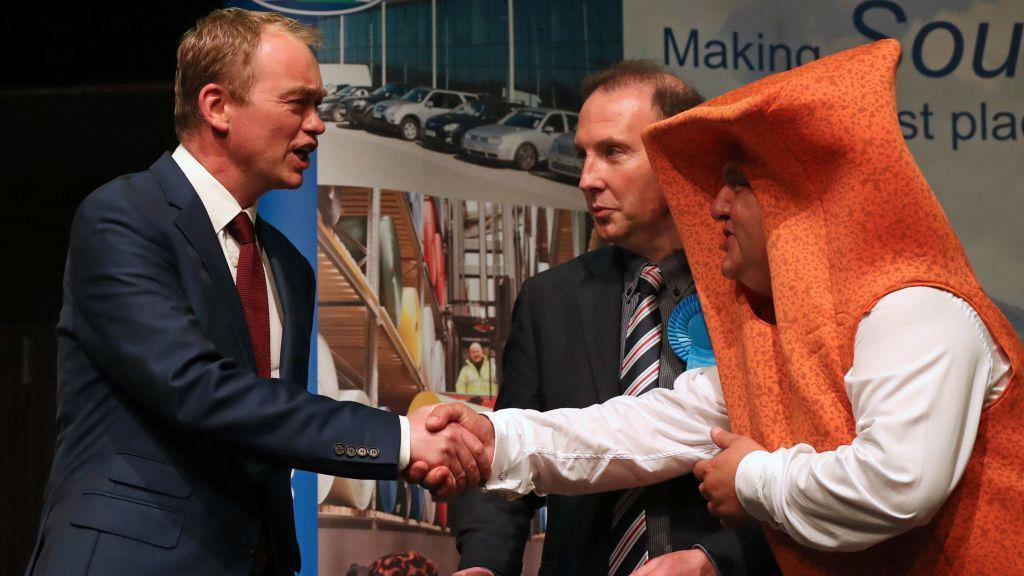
(339, 449)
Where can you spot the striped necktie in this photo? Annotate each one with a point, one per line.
(638, 373)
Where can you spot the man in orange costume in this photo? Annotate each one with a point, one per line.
(871, 386)
(850, 223)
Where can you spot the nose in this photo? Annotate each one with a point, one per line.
(591, 181)
(313, 124)
(722, 203)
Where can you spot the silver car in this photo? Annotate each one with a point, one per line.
(522, 138)
(407, 115)
(564, 159)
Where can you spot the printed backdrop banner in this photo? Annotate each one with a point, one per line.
(960, 92)
(457, 178)
(293, 212)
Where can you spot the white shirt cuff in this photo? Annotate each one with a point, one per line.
(751, 485)
(510, 471)
(404, 446)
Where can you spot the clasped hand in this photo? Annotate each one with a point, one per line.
(717, 477)
(452, 449)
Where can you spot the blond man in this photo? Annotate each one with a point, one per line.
(184, 337)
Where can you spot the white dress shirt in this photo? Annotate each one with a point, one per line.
(924, 368)
(222, 208)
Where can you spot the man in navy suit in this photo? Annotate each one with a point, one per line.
(184, 338)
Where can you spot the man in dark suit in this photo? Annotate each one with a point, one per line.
(564, 350)
(184, 337)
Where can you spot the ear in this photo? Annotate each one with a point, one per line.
(214, 105)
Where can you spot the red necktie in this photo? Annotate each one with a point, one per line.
(251, 283)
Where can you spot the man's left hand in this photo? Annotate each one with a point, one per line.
(682, 563)
(718, 477)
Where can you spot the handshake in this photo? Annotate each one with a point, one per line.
(451, 449)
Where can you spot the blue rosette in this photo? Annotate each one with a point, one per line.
(688, 334)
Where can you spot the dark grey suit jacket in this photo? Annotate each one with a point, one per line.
(563, 351)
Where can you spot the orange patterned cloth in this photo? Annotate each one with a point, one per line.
(849, 218)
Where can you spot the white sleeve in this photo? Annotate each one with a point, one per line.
(404, 443)
(923, 366)
(627, 441)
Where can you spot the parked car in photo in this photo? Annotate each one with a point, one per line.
(332, 89)
(446, 131)
(407, 115)
(356, 110)
(522, 138)
(330, 108)
(564, 159)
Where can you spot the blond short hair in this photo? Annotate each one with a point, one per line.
(221, 49)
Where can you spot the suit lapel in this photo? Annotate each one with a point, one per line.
(194, 223)
(600, 305)
(288, 276)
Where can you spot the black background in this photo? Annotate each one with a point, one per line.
(85, 96)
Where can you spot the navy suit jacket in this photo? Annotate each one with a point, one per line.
(171, 453)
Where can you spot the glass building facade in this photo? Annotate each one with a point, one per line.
(556, 43)
(330, 34)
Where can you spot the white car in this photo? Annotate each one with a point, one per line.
(407, 115)
(522, 138)
(564, 159)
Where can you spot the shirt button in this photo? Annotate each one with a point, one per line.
(501, 477)
(234, 261)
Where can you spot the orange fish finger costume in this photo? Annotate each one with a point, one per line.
(849, 218)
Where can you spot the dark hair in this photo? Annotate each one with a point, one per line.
(671, 95)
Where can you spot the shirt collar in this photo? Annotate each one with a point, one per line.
(674, 270)
(219, 203)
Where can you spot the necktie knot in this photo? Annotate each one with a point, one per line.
(650, 281)
(241, 228)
